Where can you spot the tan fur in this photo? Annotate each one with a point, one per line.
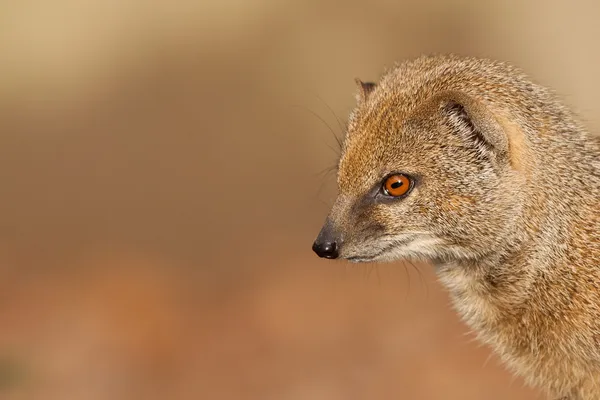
(506, 206)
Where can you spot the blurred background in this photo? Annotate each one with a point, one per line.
(163, 167)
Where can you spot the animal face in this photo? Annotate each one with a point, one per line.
(427, 179)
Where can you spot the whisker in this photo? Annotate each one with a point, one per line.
(324, 202)
(324, 179)
(337, 139)
(407, 281)
(341, 126)
(423, 284)
(378, 276)
(326, 171)
(319, 194)
(368, 271)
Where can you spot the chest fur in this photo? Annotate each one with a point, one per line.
(540, 345)
(471, 298)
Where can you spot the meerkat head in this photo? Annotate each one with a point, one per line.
(426, 175)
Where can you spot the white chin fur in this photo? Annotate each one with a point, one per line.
(420, 248)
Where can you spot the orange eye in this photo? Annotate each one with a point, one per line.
(397, 185)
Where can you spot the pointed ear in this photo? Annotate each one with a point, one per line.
(364, 90)
(476, 123)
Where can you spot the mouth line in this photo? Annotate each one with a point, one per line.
(358, 259)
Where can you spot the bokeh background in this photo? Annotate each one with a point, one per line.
(163, 173)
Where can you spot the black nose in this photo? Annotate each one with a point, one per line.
(326, 249)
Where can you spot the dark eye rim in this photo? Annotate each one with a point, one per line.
(383, 192)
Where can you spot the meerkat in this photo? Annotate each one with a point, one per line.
(470, 165)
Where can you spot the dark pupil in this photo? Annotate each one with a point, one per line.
(396, 184)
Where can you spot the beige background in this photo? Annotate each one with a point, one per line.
(161, 189)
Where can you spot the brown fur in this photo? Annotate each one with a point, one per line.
(506, 205)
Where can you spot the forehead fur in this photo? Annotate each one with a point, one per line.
(375, 125)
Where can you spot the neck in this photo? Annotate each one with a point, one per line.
(501, 279)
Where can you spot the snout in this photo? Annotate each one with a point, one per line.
(328, 242)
